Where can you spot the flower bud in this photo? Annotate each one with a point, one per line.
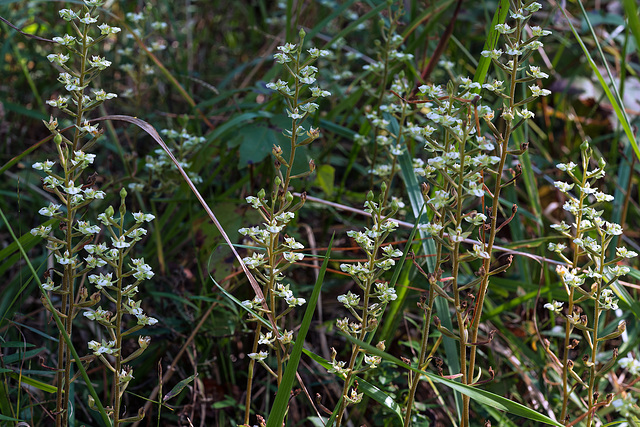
(144, 342)
(57, 139)
(370, 196)
(584, 146)
(262, 193)
(288, 197)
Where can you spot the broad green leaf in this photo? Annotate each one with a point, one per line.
(325, 176)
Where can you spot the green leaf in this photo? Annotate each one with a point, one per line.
(491, 42)
(325, 176)
(613, 96)
(34, 383)
(256, 143)
(380, 396)
(179, 387)
(20, 355)
(281, 403)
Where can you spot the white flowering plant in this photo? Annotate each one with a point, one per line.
(81, 263)
(275, 251)
(590, 279)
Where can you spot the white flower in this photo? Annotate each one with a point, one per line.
(493, 54)
(102, 348)
(291, 243)
(88, 19)
(255, 260)
(266, 339)
(51, 210)
(537, 91)
(292, 301)
(101, 280)
(476, 189)
(384, 293)
(82, 157)
(42, 231)
(504, 29)
(143, 271)
(293, 257)
(536, 73)
(142, 217)
(258, 356)
(563, 186)
(309, 107)
(618, 270)
(390, 252)
(68, 14)
(317, 92)
(145, 320)
(372, 361)
(613, 229)
(101, 95)
(431, 228)
(555, 306)
(72, 189)
(120, 242)
(625, 253)
(99, 62)
(349, 300)
(286, 337)
(480, 252)
(285, 217)
(106, 29)
(525, 114)
(432, 91)
(566, 167)
(630, 364)
(93, 262)
(539, 32)
(67, 40)
(66, 259)
(58, 58)
(87, 229)
(86, 127)
(315, 52)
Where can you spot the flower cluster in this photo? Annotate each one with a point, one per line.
(74, 243)
(161, 174)
(590, 274)
(374, 293)
(133, 62)
(276, 251)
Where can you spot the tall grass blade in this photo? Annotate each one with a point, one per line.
(614, 99)
(280, 404)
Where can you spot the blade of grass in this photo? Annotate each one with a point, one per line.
(491, 42)
(280, 404)
(56, 318)
(614, 99)
(429, 249)
(481, 396)
(355, 24)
